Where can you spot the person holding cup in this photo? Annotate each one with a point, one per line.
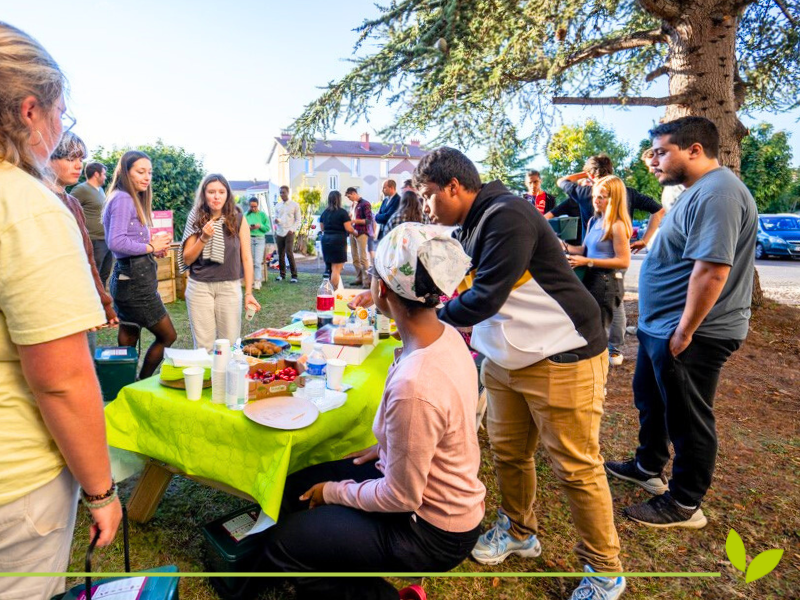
(216, 252)
(127, 219)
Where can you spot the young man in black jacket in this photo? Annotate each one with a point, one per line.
(545, 368)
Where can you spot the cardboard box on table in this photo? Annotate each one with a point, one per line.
(258, 390)
(351, 354)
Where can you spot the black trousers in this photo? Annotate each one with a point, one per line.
(335, 538)
(607, 289)
(675, 398)
(286, 248)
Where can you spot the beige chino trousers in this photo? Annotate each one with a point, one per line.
(215, 311)
(559, 405)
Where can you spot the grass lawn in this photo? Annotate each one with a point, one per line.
(755, 487)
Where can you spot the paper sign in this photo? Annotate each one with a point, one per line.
(162, 221)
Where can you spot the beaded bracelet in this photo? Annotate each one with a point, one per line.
(96, 498)
(102, 503)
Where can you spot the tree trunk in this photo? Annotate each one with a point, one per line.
(702, 65)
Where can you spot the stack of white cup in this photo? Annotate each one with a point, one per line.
(221, 356)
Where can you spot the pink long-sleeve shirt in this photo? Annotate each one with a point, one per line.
(428, 446)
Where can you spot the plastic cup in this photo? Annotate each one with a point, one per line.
(250, 312)
(222, 354)
(335, 372)
(193, 378)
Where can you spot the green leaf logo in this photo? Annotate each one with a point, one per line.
(734, 547)
(761, 565)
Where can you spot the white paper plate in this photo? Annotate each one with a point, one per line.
(282, 412)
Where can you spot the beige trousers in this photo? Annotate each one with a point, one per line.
(35, 537)
(559, 405)
(358, 249)
(215, 311)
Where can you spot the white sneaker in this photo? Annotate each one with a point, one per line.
(256, 285)
(497, 544)
(631, 329)
(598, 588)
(615, 359)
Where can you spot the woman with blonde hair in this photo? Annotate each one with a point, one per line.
(127, 219)
(216, 252)
(51, 412)
(606, 249)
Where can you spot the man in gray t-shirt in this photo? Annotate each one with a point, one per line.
(695, 288)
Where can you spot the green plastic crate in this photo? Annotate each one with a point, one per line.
(566, 228)
(116, 367)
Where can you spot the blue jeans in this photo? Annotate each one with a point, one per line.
(257, 245)
(616, 333)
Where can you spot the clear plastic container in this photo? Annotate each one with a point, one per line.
(236, 381)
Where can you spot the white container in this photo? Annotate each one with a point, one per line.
(334, 373)
(352, 355)
(193, 379)
(221, 354)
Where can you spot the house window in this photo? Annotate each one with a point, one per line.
(333, 181)
(385, 167)
(309, 166)
(356, 171)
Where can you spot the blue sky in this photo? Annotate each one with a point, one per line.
(222, 78)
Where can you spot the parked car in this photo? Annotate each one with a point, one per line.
(778, 235)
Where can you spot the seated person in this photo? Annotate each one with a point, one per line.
(412, 502)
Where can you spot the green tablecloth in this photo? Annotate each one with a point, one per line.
(208, 440)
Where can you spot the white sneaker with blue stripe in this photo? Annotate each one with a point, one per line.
(598, 588)
(497, 544)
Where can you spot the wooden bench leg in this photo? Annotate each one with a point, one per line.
(151, 487)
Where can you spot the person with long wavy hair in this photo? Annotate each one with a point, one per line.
(216, 252)
(51, 411)
(409, 210)
(127, 219)
(606, 250)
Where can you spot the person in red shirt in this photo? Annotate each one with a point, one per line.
(543, 201)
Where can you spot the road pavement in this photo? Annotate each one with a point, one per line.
(780, 279)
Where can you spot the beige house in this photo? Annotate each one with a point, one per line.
(339, 164)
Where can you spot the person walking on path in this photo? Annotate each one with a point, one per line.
(92, 198)
(578, 188)
(335, 225)
(361, 217)
(287, 222)
(216, 252)
(543, 201)
(545, 369)
(391, 200)
(695, 289)
(258, 223)
(66, 163)
(53, 438)
(127, 219)
(605, 252)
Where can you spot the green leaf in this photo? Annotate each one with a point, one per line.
(763, 564)
(734, 547)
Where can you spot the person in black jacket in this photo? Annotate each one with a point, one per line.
(388, 206)
(546, 363)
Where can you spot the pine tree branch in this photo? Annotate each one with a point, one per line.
(629, 41)
(666, 9)
(621, 100)
(656, 73)
(785, 10)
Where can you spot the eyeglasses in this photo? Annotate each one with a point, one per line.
(67, 122)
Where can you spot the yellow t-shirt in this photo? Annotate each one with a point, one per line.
(46, 293)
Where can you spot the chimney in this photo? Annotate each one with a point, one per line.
(285, 135)
(414, 143)
(365, 141)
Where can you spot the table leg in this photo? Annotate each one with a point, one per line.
(148, 492)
